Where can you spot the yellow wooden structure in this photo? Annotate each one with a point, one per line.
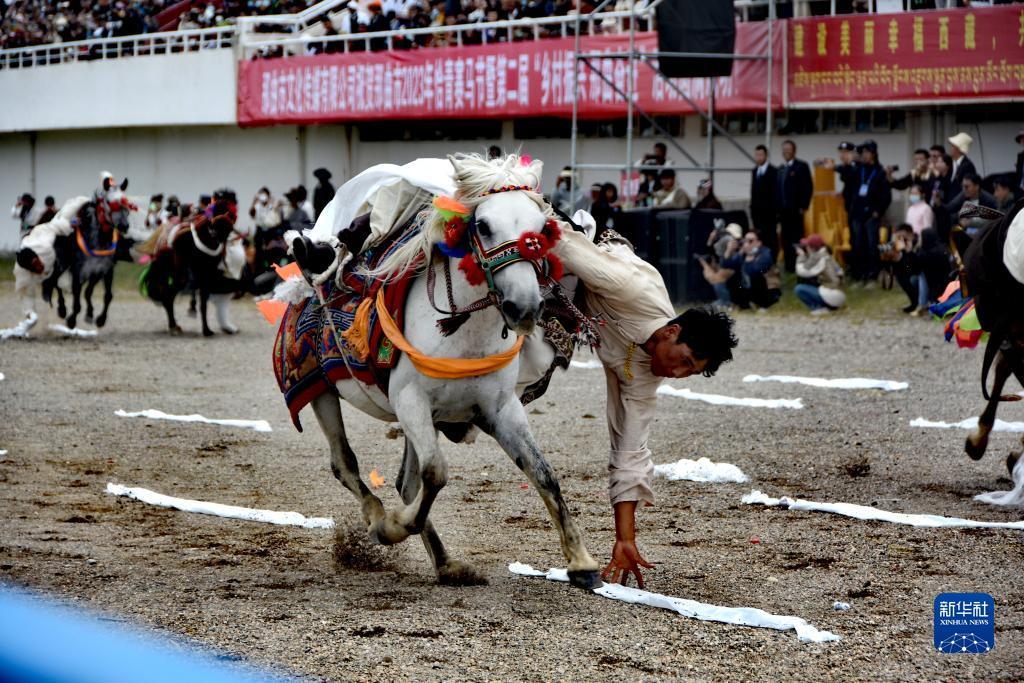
(827, 216)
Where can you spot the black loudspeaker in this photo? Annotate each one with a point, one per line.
(707, 26)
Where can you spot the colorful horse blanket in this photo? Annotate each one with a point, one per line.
(308, 360)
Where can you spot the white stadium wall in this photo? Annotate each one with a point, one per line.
(171, 129)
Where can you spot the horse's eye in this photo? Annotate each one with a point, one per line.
(483, 228)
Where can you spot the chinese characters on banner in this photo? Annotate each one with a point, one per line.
(925, 56)
(503, 80)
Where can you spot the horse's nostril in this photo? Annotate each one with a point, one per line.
(511, 311)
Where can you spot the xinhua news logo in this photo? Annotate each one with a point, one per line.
(965, 623)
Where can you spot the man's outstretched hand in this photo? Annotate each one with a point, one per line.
(626, 561)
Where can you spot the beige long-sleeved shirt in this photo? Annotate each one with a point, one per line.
(630, 297)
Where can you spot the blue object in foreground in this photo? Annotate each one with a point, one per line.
(44, 643)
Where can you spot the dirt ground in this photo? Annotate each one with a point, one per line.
(273, 595)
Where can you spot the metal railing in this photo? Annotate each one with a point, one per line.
(455, 35)
(169, 42)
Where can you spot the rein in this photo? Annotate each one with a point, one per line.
(99, 253)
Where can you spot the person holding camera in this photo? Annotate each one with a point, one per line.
(821, 286)
(758, 282)
(920, 173)
(869, 204)
(920, 265)
(718, 277)
(25, 212)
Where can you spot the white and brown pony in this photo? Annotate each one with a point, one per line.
(504, 214)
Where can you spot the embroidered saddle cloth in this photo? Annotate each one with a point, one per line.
(308, 359)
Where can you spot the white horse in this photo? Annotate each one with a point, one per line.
(490, 401)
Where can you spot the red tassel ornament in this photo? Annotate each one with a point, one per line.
(454, 230)
(533, 246)
(555, 268)
(472, 270)
(552, 232)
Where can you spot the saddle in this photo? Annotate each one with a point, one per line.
(309, 358)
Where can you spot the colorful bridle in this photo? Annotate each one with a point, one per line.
(480, 264)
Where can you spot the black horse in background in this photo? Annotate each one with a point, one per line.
(191, 254)
(91, 251)
(992, 275)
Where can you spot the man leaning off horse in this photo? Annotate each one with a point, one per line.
(643, 342)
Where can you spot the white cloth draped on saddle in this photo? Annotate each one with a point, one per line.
(41, 241)
(388, 193)
(1013, 248)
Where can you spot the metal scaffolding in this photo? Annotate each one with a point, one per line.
(629, 95)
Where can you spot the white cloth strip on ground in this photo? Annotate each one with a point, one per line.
(840, 383)
(219, 509)
(969, 423)
(68, 332)
(739, 616)
(20, 331)
(867, 513)
(257, 425)
(586, 364)
(1014, 496)
(719, 400)
(702, 470)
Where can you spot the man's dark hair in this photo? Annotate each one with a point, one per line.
(708, 333)
(921, 150)
(49, 201)
(903, 227)
(789, 142)
(948, 160)
(974, 178)
(938, 148)
(761, 148)
(667, 173)
(1004, 181)
(661, 145)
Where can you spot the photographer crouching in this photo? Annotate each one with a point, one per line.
(919, 263)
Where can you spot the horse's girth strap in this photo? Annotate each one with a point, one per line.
(442, 368)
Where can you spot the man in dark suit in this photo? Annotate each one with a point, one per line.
(960, 146)
(764, 200)
(869, 204)
(1019, 180)
(795, 190)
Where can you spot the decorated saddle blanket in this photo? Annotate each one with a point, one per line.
(310, 356)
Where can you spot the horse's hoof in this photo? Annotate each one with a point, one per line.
(229, 330)
(71, 322)
(102, 320)
(458, 573)
(387, 532)
(1011, 462)
(62, 311)
(175, 330)
(975, 451)
(88, 318)
(207, 333)
(587, 579)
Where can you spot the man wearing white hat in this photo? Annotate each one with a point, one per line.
(962, 166)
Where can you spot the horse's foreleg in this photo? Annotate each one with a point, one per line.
(91, 285)
(977, 441)
(449, 572)
(344, 465)
(62, 309)
(413, 411)
(512, 431)
(204, 299)
(108, 296)
(76, 295)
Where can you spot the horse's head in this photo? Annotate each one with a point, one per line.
(223, 213)
(112, 205)
(506, 235)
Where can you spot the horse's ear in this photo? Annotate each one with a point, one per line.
(454, 161)
(107, 182)
(534, 172)
(124, 185)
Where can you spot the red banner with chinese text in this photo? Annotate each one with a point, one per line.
(502, 80)
(920, 57)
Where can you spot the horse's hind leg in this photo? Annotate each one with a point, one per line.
(108, 296)
(343, 461)
(977, 441)
(88, 298)
(449, 572)
(76, 296)
(511, 429)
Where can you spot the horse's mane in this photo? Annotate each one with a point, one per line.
(474, 175)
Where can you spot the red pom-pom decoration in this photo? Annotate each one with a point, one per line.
(474, 273)
(555, 268)
(454, 230)
(552, 232)
(533, 246)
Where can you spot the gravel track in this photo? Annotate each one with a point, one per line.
(273, 595)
